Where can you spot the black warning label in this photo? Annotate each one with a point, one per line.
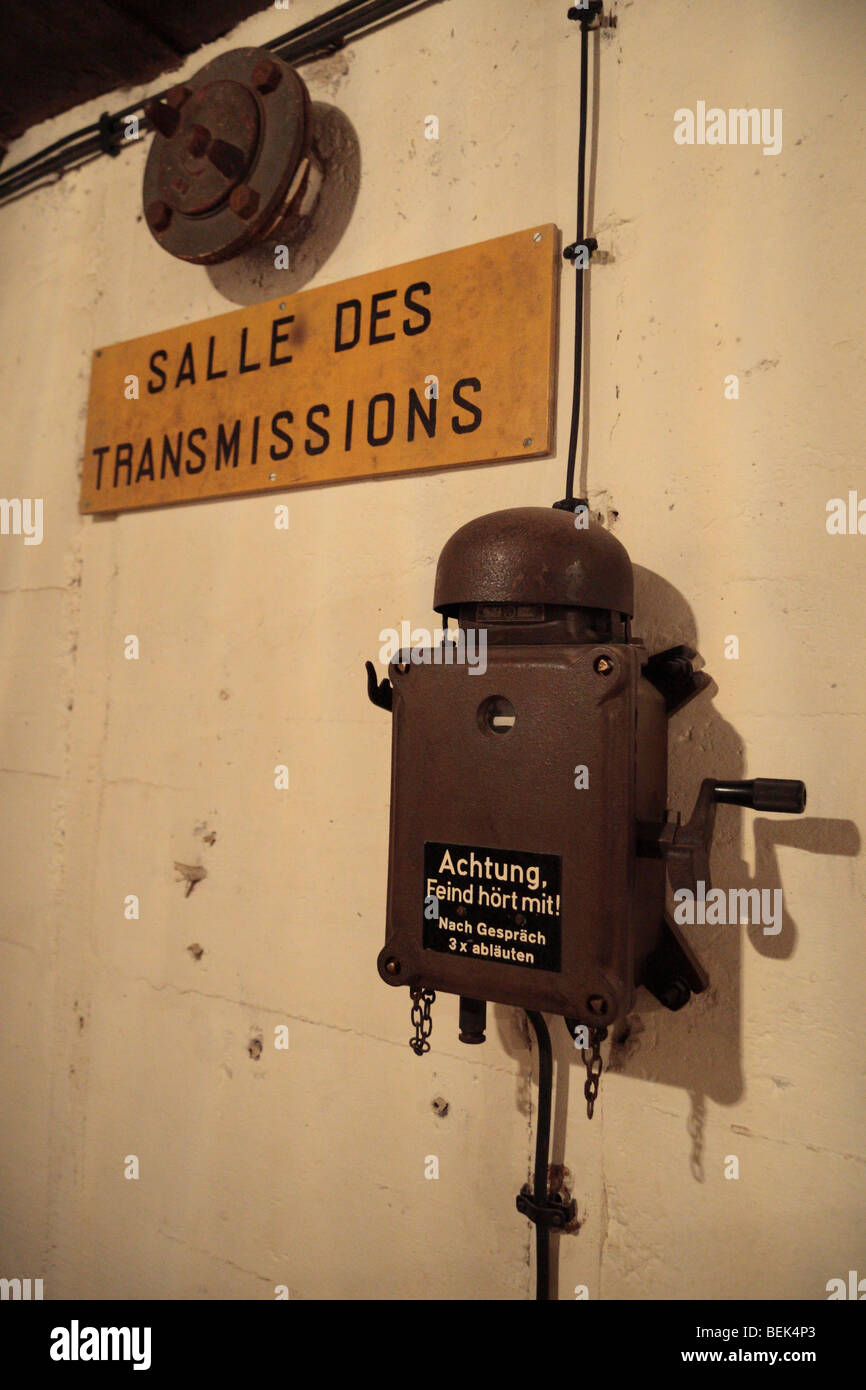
(493, 904)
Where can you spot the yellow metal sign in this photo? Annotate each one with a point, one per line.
(447, 360)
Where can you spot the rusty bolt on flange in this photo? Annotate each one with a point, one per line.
(158, 215)
(266, 76)
(199, 139)
(227, 158)
(178, 96)
(244, 201)
(163, 117)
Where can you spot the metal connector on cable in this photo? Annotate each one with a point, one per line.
(586, 12)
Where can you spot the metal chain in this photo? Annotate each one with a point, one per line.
(592, 1061)
(421, 1020)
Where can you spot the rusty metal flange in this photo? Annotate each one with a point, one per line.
(230, 156)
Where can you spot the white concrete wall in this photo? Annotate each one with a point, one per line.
(306, 1167)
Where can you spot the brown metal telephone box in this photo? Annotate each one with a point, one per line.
(517, 788)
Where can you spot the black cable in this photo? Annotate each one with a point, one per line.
(58, 165)
(326, 33)
(312, 24)
(50, 149)
(578, 273)
(542, 1154)
(330, 32)
(584, 244)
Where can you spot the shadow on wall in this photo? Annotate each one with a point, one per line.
(253, 276)
(699, 1047)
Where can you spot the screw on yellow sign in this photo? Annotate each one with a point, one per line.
(443, 361)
